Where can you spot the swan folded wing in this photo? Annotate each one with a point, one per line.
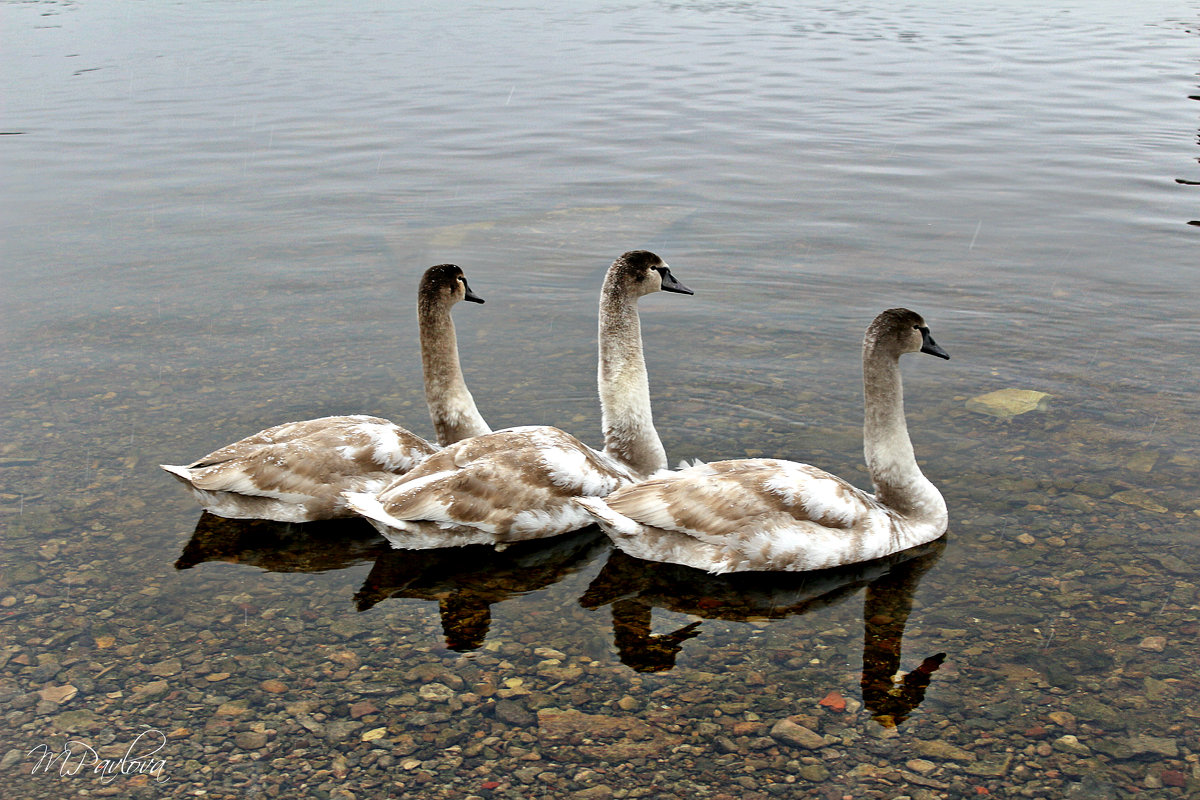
(760, 514)
(652, 543)
(515, 483)
(299, 459)
(719, 499)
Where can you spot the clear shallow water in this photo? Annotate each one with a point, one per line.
(214, 221)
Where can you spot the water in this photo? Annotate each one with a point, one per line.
(214, 219)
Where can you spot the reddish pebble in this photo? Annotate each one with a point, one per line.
(833, 701)
(1173, 777)
(981, 790)
(489, 785)
(362, 709)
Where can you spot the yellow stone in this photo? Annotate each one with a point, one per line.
(373, 734)
(1008, 403)
(1132, 497)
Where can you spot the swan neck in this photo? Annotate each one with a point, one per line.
(886, 444)
(451, 407)
(628, 422)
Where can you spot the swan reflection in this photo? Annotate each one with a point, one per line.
(634, 588)
(281, 546)
(466, 581)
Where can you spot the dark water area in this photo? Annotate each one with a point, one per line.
(214, 220)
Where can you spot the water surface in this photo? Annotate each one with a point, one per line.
(214, 220)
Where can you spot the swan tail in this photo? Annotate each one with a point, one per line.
(181, 473)
(367, 505)
(613, 523)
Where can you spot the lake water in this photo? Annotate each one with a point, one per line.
(214, 218)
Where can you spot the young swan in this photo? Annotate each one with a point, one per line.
(774, 515)
(517, 484)
(297, 471)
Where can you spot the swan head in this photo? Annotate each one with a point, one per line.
(445, 284)
(640, 272)
(898, 331)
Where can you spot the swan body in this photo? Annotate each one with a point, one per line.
(776, 515)
(298, 471)
(517, 484)
(508, 486)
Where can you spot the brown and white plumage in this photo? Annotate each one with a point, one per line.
(517, 484)
(298, 471)
(769, 514)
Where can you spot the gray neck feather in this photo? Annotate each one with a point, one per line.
(451, 407)
(629, 434)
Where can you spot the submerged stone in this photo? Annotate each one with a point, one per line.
(1133, 497)
(1008, 403)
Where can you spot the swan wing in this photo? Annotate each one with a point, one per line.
(296, 460)
(515, 483)
(721, 498)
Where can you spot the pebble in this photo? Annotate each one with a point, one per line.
(1064, 719)
(1142, 744)
(362, 708)
(514, 713)
(920, 766)
(435, 692)
(796, 735)
(601, 792)
(233, 708)
(165, 669)
(942, 751)
(1069, 743)
(58, 694)
(250, 740)
(150, 691)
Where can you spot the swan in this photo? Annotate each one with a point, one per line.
(297, 471)
(517, 484)
(774, 515)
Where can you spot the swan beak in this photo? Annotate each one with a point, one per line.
(928, 345)
(670, 284)
(470, 296)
